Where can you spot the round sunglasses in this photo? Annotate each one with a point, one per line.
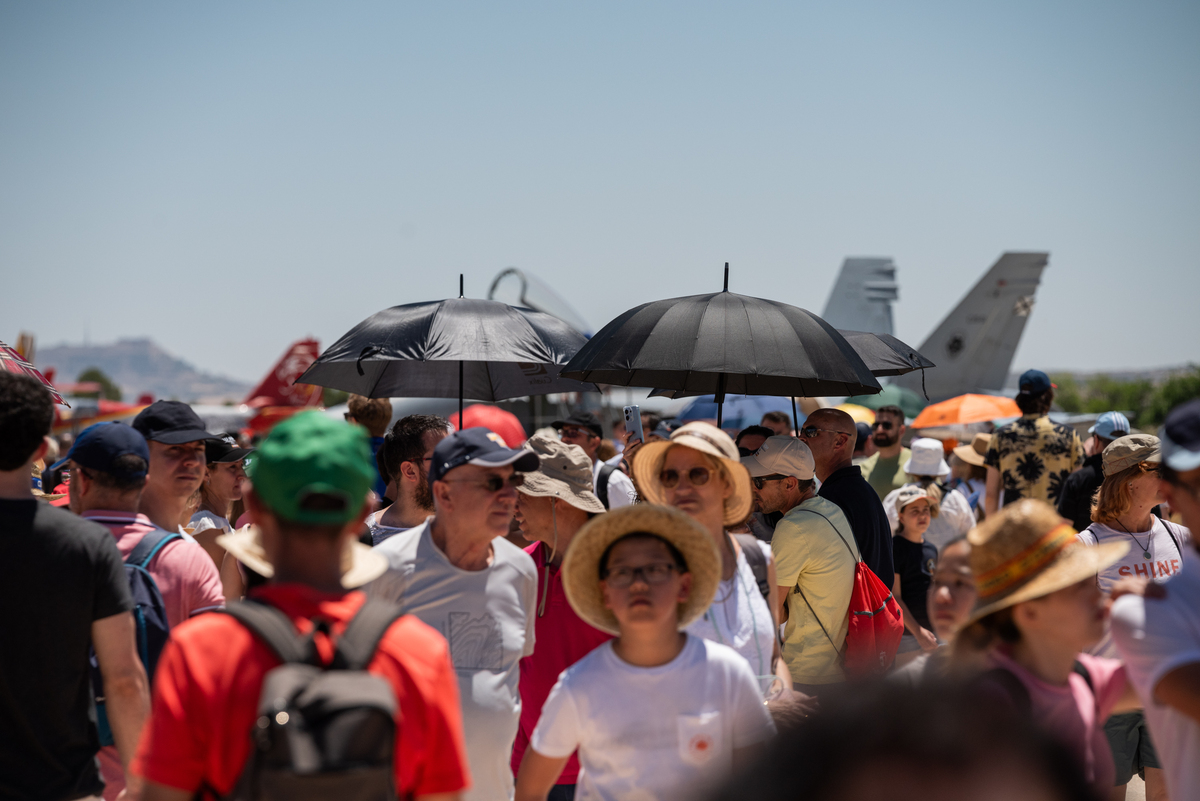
(697, 476)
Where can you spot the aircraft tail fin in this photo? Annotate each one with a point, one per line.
(975, 343)
(279, 387)
(861, 298)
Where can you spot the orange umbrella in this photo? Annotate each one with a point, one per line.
(966, 409)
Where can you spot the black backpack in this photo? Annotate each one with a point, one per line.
(323, 731)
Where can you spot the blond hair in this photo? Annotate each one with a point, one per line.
(1114, 496)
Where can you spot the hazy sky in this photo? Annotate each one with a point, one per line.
(226, 178)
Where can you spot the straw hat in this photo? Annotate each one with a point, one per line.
(1015, 560)
(360, 564)
(581, 565)
(564, 471)
(974, 453)
(706, 438)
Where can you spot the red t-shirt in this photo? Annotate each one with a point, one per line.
(562, 640)
(210, 675)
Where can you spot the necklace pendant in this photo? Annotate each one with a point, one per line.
(1146, 554)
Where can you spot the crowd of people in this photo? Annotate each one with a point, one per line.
(361, 609)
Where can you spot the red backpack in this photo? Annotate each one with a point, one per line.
(876, 621)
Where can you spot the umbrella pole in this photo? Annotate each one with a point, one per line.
(795, 418)
(720, 398)
(460, 395)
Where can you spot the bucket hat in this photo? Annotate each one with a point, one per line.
(975, 451)
(706, 438)
(360, 564)
(1014, 563)
(928, 458)
(581, 565)
(564, 471)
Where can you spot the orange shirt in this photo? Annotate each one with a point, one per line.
(207, 686)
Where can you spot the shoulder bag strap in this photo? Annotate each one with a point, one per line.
(1170, 527)
(275, 629)
(149, 545)
(358, 642)
(602, 483)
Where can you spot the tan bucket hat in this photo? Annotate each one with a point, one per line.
(564, 471)
(581, 565)
(974, 453)
(1131, 449)
(360, 564)
(1014, 563)
(706, 438)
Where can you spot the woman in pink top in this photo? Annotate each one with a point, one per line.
(1038, 608)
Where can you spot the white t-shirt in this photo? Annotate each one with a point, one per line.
(487, 617)
(620, 487)
(955, 517)
(379, 533)
(740, 618)
(648, 734)
(1154, 637)
(204, 520)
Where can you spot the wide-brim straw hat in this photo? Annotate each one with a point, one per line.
(360, 564)
(975, 451)
(706, 438)
(581, 565)
(1014, 565)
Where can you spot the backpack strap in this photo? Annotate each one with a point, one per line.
(358, 642)
(1170, 527)
(814, 614)
(602, 483)
(149, 546)
(835, 531)
(758, 563)
(275, 629)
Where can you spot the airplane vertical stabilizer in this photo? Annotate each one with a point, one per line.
(279, 387)
(861, 299)
(974, 345)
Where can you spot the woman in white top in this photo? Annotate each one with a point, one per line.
(698, 472)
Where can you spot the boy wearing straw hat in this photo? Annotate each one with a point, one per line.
(656, 712)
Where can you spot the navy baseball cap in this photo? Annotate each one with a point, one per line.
(224, 449)
(171, 423)
(1180, 437)
(1110, 425)
(478, 446)
(582, 420)
(100, 445)
(1034, 381)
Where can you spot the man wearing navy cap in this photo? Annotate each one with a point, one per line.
(176, 438)
(458, 573)
(1031, 457)
(613, 488)
(1075, 502)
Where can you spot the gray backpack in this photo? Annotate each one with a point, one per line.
(322, 731)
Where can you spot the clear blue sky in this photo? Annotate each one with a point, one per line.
(226, 178)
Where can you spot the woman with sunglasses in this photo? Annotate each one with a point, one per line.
(1121, 512)
(698, 472)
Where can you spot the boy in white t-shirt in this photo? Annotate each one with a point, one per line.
(656, 713)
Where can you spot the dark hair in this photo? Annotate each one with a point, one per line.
(987, 631)
(676, 556)
(893, 410)
(804, 485)
(750, 431)
(777, 417)
(1035, 402)
(120, 482)
(651, 422)
(26, 415)
(406, 442)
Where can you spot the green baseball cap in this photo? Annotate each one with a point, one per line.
(312, 454)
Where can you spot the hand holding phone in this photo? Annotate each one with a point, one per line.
(633, 424)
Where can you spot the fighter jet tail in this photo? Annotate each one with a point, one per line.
(861, 298)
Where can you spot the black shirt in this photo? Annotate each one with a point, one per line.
(864, 511)
(914, 564)
(58, 573)
(1075, 501)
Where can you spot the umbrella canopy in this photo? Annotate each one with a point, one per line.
(738, 411)
(892, 395)
(966, 409)
(500, 421)
(884, 354)
(462, 347)
(13, 362)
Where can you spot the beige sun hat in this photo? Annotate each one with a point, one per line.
(360, 564)
(581, 565)
(974, 453)
(706, 438)
(564, 471)
(1015, 560)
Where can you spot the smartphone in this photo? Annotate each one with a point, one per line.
(633, 423)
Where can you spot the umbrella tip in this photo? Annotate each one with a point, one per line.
(460, 285)
(726, 277)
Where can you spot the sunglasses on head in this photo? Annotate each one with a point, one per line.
(759, 481)
(697, 476)
(492, 483)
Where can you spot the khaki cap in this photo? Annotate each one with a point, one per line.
(706, 438)
(974, 453)
(564, 471)
(360, 564)
(1130, 450)
(782, 455)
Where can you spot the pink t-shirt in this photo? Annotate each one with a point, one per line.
(562, 640)
(1074, 714)
(189, 583)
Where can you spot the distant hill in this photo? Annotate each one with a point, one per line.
(138, 366)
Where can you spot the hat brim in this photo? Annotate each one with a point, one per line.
(365, 565)
(969, 455)
(1181, 460)
(942, 470)
(649, 462)
(180, 437)
(235, 455)
(1077, 562)
(523, 461)
(581, 565)
(540, 485)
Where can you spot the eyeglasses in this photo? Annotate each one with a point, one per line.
(492, 483)
(653, 574)
(697, 476)
(572, 431)
(886, 425)
(760, 480)
(810, 432)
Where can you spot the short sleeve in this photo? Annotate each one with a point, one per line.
(203, 582)
(789, 547)
(112, 587)
(557, 733)
(992, 457)
(1147, 634)
(1086, 537)
(1108, 681)
(752, 723)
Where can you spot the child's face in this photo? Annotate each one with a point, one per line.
(916, 517)
(1074, 615)
(952, 591)
(644, 602)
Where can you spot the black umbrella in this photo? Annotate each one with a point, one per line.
(884, 354)
(462, 347)
(723, 343)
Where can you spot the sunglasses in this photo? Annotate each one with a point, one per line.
(1151, 467)
(810, 432)
(886, 425)
(759, 481)
(572, 431)
(697, 476)
(653, 574)
(492, 483)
